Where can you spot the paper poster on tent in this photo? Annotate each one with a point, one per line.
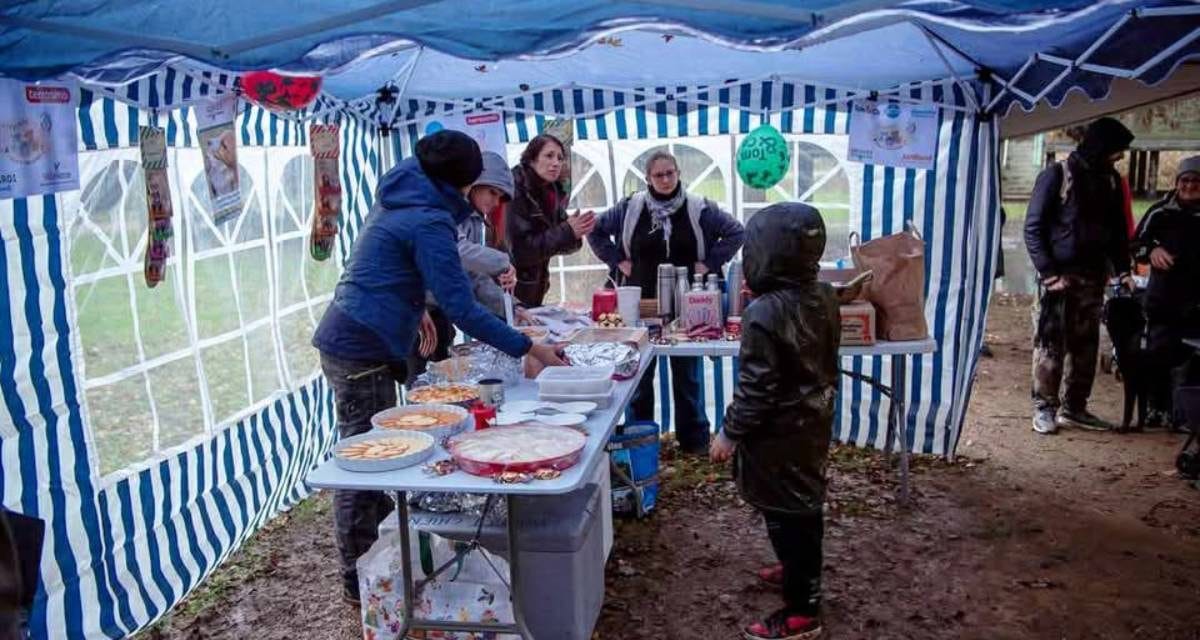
(893, 134)
(218, 143)
(487, 128)
(39, 150)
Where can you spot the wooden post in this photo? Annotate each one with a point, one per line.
(1135, 171)
(1152, 175)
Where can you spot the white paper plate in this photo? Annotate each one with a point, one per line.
(521, 406)
(563, 419)
(581, 407)
(505, 418)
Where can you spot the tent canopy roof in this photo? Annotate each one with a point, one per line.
(466, 49)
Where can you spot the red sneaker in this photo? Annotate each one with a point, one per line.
(782, 625)
(772, 575)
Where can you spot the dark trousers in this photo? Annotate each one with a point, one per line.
(360, 390)
(797, 540)
(691, 423)
(1066, 345)
(1175, 362)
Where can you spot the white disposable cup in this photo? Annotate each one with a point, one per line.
(628, 301)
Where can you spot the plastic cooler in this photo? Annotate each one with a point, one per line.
(561, 538)
(633, 450)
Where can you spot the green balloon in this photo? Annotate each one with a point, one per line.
(763, 157)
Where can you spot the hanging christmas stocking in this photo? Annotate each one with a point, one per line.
(158, 203)
(323, 142)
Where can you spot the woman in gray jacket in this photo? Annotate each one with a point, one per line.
(666, 224)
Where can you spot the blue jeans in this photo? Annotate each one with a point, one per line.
(360, 390)
(691, 423)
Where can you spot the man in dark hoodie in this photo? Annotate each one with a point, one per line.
(1077, 235)
(407, 246)
(780, 422)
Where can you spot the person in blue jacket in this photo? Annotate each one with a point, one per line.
(407, 246)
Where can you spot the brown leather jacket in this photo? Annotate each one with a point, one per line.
(534, 237)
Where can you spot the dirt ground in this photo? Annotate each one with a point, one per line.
(1077, 535)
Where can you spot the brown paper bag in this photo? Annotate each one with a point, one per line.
(898, 287)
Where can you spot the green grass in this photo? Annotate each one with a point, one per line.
(120, 412)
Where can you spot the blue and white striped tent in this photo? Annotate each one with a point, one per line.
(128, 540)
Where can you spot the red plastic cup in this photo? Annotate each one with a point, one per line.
(603, 301)
(485, 416)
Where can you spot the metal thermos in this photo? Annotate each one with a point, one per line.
(666, 289)
(733, 284)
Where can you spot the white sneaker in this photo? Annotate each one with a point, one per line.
(1043, 421)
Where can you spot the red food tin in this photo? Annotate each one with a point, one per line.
(603, 301)
(733, 328)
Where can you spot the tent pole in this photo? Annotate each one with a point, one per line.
(967, 90)
(402, 86)
(1152, 62)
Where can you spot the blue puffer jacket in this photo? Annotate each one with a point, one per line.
(407, 246)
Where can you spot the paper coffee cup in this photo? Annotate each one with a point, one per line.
(628, 300)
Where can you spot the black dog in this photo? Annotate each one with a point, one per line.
(1126, 327)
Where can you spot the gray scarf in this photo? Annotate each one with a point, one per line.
(661, 211)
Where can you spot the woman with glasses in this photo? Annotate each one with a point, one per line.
(666, 224)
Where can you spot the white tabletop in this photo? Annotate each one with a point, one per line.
(729, 348)
(600, 426)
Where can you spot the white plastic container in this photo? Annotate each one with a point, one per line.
(575, 381)
(602, 400)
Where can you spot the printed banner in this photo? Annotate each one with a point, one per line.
(487, 128)
(39, 150)
(893, 134)
(153, 143)
(218, 142)
(327, 205)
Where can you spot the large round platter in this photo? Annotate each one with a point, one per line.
(521, 448)
(369, 452)
(462, 395)
(436, 420)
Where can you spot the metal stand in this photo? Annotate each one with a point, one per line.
(411, 588)
(897, 423)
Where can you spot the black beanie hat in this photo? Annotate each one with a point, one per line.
(450, 156)
(1103, 138)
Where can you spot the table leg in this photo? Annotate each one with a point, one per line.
(898, 420)
(405, 561)
(514, 556)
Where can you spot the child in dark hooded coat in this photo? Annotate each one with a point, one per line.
(778, 427)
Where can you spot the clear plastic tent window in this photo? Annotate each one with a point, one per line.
(229, 327)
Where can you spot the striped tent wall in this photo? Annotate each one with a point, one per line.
(121, 552)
